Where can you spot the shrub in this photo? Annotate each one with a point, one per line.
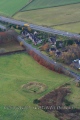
(67, 103)
(45, 47)
(43, 62)
(36, 101)
(73, 52)
(78, 84)
(21, 43)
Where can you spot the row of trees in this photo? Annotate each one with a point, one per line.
(43, 62)
(73, 52)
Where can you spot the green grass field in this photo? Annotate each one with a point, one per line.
(19, 69)
(8, 8)
(38, 4)
(53, 17)
(74, 27)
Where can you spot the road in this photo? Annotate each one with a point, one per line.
(40, 28)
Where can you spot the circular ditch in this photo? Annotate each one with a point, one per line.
(34, 87)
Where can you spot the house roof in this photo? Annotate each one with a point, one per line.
(77, 63)
(53, 39)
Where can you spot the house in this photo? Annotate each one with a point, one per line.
(77, 42)
(57, 53)
(76, 64)
(61, 44)
(52, 40)
(33, 38)
(27, 35)
(39, 42)
(35, 33)
(24, 32)
(52, 49)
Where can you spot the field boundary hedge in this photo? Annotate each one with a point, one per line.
(64, 23)
(13, 52)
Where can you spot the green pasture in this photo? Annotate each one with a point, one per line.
(9, 7)
(19, 69)
(74, 97)
(64, 17)
(73, 27)
(39, 4)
